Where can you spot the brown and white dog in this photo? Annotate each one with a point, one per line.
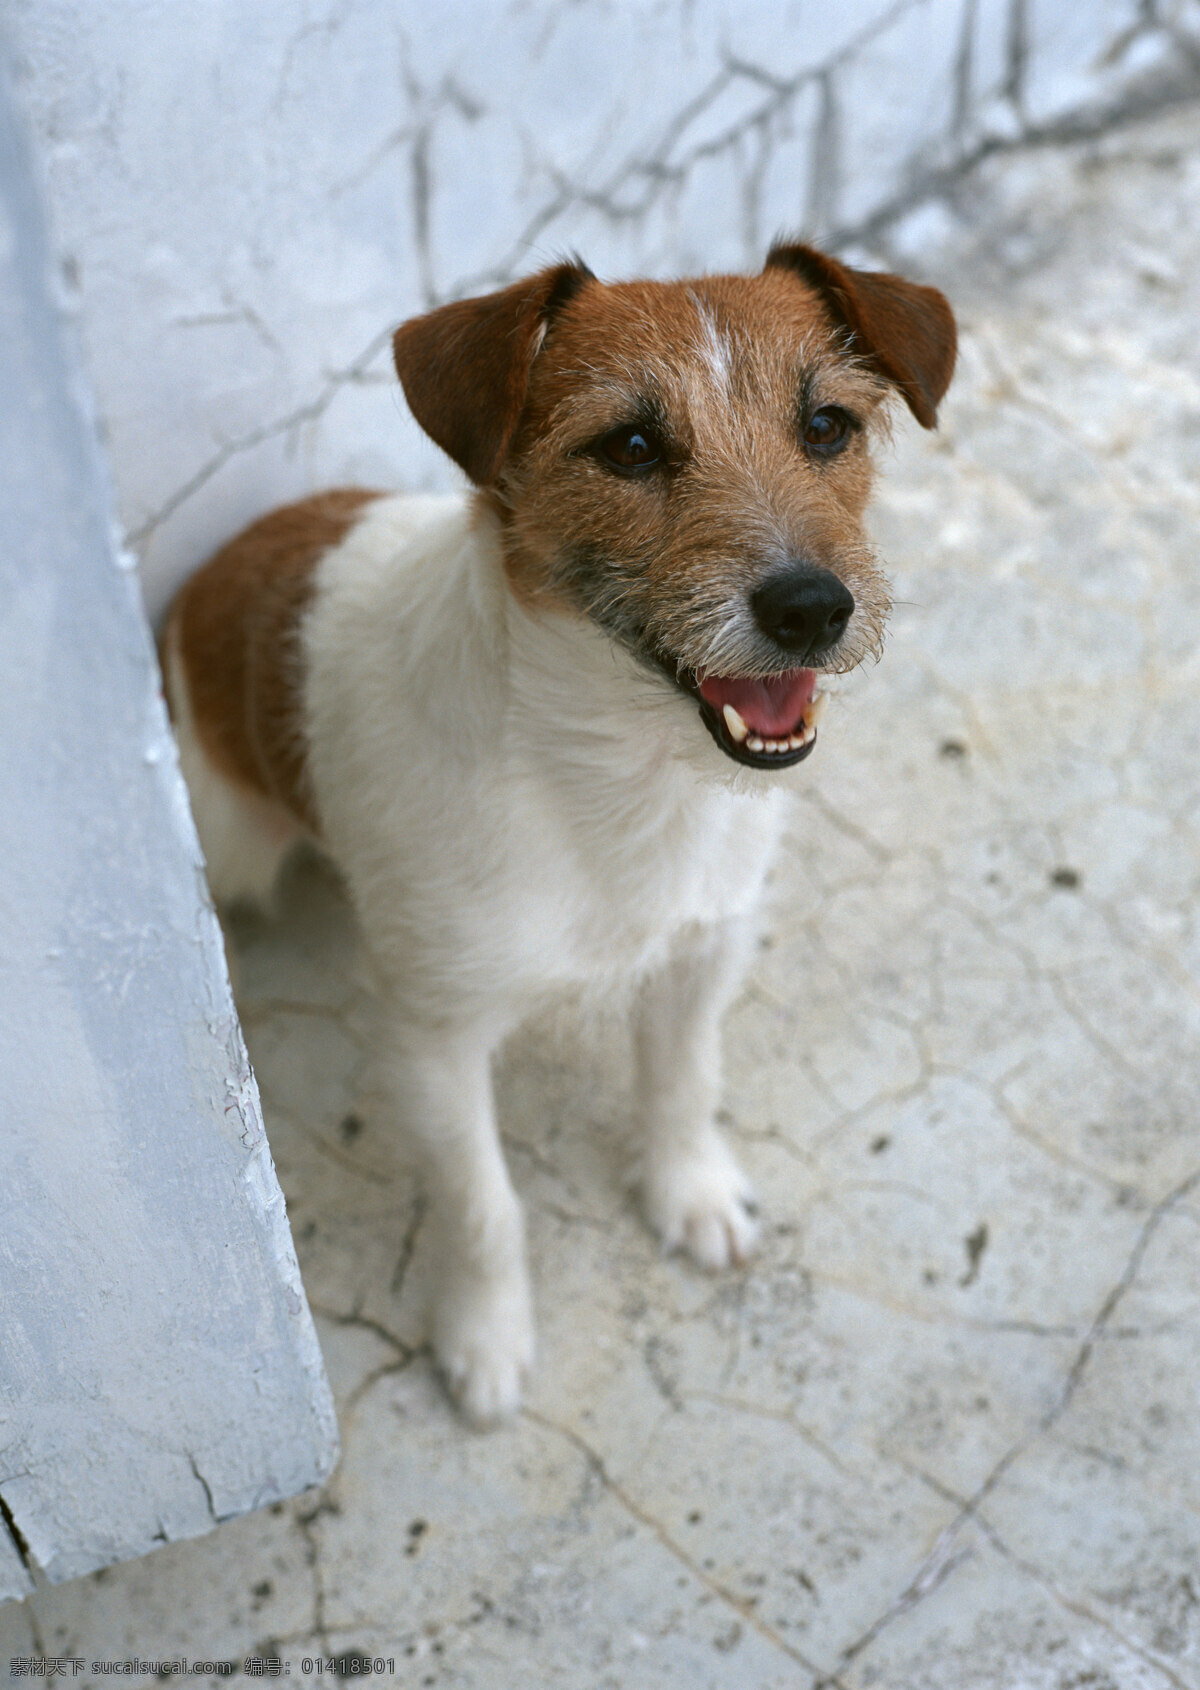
(542, 727)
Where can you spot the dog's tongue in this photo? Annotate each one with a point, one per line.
(770, 705)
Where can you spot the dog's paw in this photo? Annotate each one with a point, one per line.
(703, 1203)
(483, 1340)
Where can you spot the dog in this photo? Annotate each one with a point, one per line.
(544, 727)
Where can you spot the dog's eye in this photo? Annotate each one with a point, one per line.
(828, 430)
(631, 449)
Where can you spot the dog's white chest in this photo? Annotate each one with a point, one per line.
(516, 805)
(611, 891)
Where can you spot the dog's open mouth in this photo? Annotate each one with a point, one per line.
(767, 722)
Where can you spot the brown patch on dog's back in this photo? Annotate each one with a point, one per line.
(236, 625)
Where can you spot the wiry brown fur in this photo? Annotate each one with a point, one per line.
(235, 628)
(730, 367)
(725, 360)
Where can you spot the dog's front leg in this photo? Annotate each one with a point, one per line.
(695, 1195)
(482, 1316)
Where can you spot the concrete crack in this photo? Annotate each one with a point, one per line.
(205, 1487)
(1076, 1605)
(941, 179)
(355, 1317)
(784, 1417)
(8, 1518)
(408, 1245)
(1112, 1302)
(933, 1572)
(655, 171)
(941, 1559)
(294, 419)
(306, 1521)
(746, 1611)
(934, 1316)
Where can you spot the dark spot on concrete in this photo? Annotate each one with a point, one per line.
(952, 749)
(262, 1590)
(352, 1663)
(1069, 879)
(880, 1144)
(416, 1532)
(930, 1276)
(695, 1517)
(975, 1243)
(351, 1127)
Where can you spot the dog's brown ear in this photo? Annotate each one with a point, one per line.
(465, 367)
(906, 331)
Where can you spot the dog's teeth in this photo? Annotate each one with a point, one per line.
(815, 709)
(795, 741)
(754, 743)
(737, 728)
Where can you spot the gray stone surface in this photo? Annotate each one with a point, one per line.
(159, 1370)
(943, 1436)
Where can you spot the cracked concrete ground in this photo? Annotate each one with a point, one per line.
(944, 1435)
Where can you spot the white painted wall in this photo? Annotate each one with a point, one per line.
(249, 196)
(158, 1365)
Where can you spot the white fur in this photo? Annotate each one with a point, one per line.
(517, 807)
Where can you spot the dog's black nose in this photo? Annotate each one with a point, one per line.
(804, 609)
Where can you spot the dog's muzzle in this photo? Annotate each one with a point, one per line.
(770, 722)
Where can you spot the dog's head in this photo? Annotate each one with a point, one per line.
(687, 463)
